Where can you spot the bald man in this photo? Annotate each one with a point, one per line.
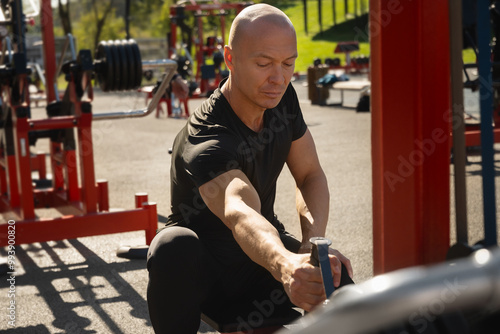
(223, 250)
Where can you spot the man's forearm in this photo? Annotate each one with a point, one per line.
(261, 242)
(313, 206)
(237, 204)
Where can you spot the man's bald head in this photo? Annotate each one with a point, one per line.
(253, 17)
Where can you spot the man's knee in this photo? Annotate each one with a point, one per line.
(174, 246)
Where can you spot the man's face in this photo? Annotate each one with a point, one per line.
(263, 63)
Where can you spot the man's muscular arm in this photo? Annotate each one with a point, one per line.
(235, 201)
(312, 197)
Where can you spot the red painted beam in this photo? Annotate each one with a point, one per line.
(61, 122)
(49, 50)
(473, 137)
(71, 227)
(410, 75)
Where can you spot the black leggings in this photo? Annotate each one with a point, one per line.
(184, 280)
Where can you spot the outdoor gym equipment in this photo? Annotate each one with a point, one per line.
(475, 33)
(118, 65)
(73, 190)
(421, 299)
(490, 111)
(208, 56)
(319, 258)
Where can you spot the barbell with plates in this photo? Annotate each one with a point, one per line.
(118, 65)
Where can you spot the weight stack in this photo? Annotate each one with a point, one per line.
(317, 95)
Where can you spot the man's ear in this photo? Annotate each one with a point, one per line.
(228, 57)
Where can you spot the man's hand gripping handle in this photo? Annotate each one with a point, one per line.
(319, 258)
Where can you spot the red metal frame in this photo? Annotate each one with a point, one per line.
(83, 202)
(410, 133)
(148, 90)
(202, 10)
(473, 132)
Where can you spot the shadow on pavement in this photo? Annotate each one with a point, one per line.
(88, 286)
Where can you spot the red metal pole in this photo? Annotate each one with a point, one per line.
(173, 32)
(152, 221)
(12, 179)
(140, 200)
(3, 174)
(56, 166)
(89, 189)
(199, 51)
(71, 171)
(48, 49)
(410, 73)
(61, 122)
(102, 189)
(23, 165)
(42, 168)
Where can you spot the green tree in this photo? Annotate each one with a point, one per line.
(64, 15)
(100, 23)
(150, 18)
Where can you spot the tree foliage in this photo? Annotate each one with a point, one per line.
(64, 15)
(97, 24)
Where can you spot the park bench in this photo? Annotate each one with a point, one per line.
(354, 85)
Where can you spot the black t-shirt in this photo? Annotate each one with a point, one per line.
(215, 141)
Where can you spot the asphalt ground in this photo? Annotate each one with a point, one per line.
(81, 286)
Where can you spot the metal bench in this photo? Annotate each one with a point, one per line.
(357, 85)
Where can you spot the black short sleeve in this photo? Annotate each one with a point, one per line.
(210, 158)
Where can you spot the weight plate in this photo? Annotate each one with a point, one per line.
(107, 71)
(130, 64)
(138, 64)
(123, 66)
(117, 65)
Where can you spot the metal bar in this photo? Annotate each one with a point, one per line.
(70, 41)
(319, 258)
(49, 53)
(473, 137)
(23, 168)
(486, 110)
(56, 167)
(103, 195)
(457, 96)
(171, 67)
(60, 122)
(86, 155)
(18, 25)
(207, 7)
(71, 227)
(8, 45)
(14, 195)
(71, 172)
(140, 199)
(152, 221)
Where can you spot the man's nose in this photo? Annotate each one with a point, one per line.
(277, 75)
